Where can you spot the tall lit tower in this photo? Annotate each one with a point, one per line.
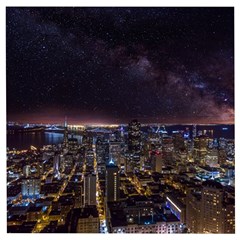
(89, 182)
(134, 144)
(112, 182)
(134, 136)
(194, 131)
(56, 164)
(65, 140)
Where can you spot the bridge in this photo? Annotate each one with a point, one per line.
(54, 128)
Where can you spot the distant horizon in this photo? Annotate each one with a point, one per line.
(74, 122)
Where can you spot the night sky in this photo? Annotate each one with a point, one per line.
(111, 65)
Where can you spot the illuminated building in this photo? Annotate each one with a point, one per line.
(102, 151)
(178, 141)
(207, 172)
(85, 220)
(31, 187)
(128, 159)
(89, 157)
(134, 143)
(86, 139)
(121, 132)
(78, 190)
(65, 139)
(115, 152)
(193, 211)
(167, 150)
(212, 158)
(207, 132)
(112, 182)
(134, 136)
(73, 145)
(229, 216)
(56, 164)
(194, 131)
(68, 162)
(156, 161)
(211, 207)
(89, 189)
(26, 171)
(136, 218)
(222, 156)
(182, 156)
(176, 207)
(200, 149)
(230, 150)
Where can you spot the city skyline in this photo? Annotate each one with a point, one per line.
(111, 65)
(120, 120)
(132, 179)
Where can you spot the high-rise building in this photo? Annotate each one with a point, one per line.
(194, 131)
(134, 143)
(176, 206)
(211, 207)
(112, 183)
(89, 157)
(200, 149)
(65, 139)
(178, 141)
(212, 157)
(89, 189)
(167, 150)
(193, 211)
(102, 151)
(229, 216)
(56, 164)
(73, 144)
(31, 187)
(134, 136)
(115, 152)
(78, 193)
(156, 161)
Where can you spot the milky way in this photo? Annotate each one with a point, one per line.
(116, 64)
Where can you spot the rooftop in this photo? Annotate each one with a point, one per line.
(212, 184)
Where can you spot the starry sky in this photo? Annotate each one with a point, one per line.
(111, 65)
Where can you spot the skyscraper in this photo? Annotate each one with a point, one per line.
(134, 136)
(211, 207)
(156, 161)
(194, 131)
(56, 164)
(115, 152)
(89, 189)
(102, 151)
(134, 143)
(211, 210)
(65, 140)
(112, 183)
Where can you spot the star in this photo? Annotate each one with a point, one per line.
(117, 63)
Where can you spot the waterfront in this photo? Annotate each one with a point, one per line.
(38, 139)
(25, 140)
